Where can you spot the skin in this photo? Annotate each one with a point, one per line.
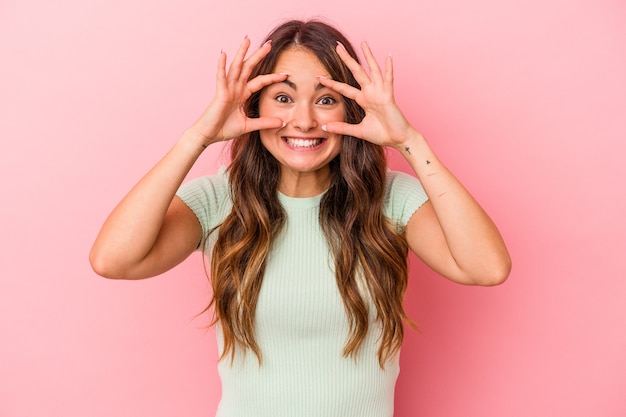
(151, 230)
(451, 232)
(305, 105)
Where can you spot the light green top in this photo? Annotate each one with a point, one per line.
(301, 324)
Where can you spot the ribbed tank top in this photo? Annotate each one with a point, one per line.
(301, 324)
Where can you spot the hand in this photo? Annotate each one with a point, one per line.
(225, 118)
(383, 124)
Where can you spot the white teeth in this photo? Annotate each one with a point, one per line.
(303, 143)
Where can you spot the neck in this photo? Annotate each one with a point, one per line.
(304, 184)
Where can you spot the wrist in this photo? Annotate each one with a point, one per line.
(193, 141)
(194, 138)
(412, 141)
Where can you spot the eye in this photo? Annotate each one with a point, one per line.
(327, 101)
(283, 98)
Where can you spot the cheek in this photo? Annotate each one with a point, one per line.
(262, 107)
(337, 115)
(267, 109)
(267, 136)
(265, 105)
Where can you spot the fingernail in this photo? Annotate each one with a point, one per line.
(324, 128)
(268, 42)
(284, 124)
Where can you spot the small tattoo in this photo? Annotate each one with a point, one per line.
(407, 150)
(427, 162)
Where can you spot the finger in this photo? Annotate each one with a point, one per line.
(389, 73)
(262, 123)
(221, 70)
(375, 72)
(342, 88)
(389, 69)
(235, 66)
(257, 83)
(343, 128)
(357, 70)
(254, 59)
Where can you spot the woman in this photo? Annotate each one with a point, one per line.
(307, 229)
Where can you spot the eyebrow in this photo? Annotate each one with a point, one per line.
(291, 84)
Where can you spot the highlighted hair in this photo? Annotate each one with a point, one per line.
(368, 253)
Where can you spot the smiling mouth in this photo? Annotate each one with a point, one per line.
(303, 143)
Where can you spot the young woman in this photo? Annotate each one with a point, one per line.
(307, 230)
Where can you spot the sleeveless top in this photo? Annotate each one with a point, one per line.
(301, 324)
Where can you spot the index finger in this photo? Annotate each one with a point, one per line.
(260, 81)
(344, 89)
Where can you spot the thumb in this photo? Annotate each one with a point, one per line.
(343, 128)
(262, 123)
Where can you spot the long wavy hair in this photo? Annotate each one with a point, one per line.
(367, 251)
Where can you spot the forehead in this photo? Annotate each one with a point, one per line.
(298, 61)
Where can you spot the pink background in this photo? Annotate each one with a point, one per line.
(525, 100)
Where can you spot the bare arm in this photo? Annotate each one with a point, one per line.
(151, 230)
(451, 233)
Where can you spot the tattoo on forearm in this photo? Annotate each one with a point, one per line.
(407, 150)
(427, 162)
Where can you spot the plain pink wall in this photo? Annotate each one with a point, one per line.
(525, 100)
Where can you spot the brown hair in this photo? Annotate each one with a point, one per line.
(365, 246)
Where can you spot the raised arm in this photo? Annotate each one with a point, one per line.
(451, 233)
(151, 230)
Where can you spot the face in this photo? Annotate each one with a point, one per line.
(301, 147)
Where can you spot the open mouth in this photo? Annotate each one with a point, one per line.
(303, 143)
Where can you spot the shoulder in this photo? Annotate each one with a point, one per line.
(208, 197)
(205, 189)
(399, 178)
(400, 185)
(404, 194)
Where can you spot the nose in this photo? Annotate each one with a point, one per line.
(303, 117)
